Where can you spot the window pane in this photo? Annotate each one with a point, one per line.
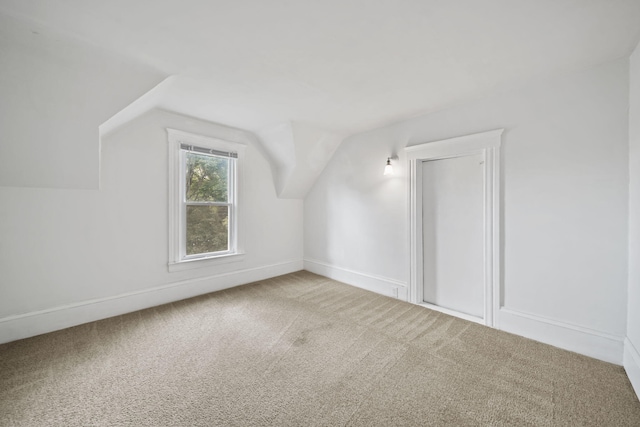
(206, 178)
(207, 229)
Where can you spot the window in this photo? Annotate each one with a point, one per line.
(207, 201)
(203, 201)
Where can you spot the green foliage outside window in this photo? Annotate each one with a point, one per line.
(207, 180)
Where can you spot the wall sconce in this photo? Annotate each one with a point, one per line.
(388, 169)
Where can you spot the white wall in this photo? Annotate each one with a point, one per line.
(61, 249)
(54, 93)
(564, 201)
(632, 343)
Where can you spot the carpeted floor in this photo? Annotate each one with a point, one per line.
(302, 350)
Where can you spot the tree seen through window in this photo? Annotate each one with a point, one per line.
(207, 203)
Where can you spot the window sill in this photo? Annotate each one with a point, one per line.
(205, 262)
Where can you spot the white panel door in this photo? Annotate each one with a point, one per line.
(453, 235)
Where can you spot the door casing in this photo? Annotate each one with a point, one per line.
(487, 144)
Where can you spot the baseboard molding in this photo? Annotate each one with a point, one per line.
(631, 363)
(588, 342)
(39, 322)
(377, 284)
(596, 344)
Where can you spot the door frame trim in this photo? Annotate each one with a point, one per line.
(485, 143)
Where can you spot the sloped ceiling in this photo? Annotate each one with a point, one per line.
(342, 66)
(55, 92)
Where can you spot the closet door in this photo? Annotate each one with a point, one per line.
(453, 234)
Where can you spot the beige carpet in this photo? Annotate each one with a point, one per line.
(302, 350)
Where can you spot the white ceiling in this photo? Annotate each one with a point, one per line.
(342, 65)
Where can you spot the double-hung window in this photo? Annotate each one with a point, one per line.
(204, 199)
(207, 201)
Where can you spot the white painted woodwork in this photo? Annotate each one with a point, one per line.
(486, 145)
(177, 239)
(452, 230)
(64, 316)
(381, 285)
(632, 342)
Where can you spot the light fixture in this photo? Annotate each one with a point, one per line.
(388, 169)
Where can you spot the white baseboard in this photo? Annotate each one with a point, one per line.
(377, 284)
(588, 342)
(39, 322)
(631, 363)
(592, 343)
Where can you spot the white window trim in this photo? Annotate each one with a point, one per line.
(176, 181)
